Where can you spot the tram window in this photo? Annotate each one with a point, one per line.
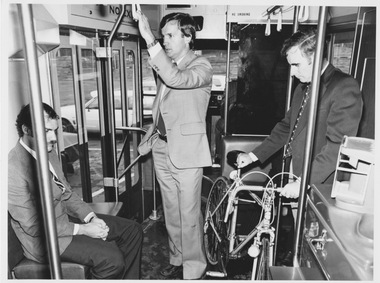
(342, 50)
(149, 82)
(65, 76)
(94, 103)
(88, 68)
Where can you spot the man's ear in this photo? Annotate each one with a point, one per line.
(26, 130)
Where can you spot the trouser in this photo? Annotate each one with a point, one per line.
(181, 198)
(118, 257)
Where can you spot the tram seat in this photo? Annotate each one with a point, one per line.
(246, 144)
(109, 208)
(20, 267)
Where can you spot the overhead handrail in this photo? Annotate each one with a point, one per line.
(303, 15)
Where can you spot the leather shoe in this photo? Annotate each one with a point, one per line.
(172, 272)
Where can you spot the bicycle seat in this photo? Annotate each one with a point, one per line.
(232, 156)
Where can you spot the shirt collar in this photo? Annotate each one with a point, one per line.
(33, 153)
(179, 60)
(28, 149)
(324, 67)
(322, 70)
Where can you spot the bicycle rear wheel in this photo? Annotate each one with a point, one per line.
(215, 230)
(262, 271)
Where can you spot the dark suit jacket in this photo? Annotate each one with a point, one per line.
(183, 106)
(339, 113)
(24, 204)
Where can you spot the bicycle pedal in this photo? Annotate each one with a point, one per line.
(216, 274)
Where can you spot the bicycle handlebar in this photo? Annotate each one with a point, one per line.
(261, 188)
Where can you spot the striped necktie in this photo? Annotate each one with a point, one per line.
(59, 183)
(288, 146)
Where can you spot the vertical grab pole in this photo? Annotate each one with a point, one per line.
(154, 215)
(288, 100)
(227, 79)
(111, 107)
(27, 25)
(318, 56)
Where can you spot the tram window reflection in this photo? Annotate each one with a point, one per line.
(342, 50)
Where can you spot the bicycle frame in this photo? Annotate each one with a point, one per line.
(221, 240)
(233, 200)
(262, 227)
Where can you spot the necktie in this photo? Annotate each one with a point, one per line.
(161, 124)
(160, 121)
(59, 183)
(288, 147)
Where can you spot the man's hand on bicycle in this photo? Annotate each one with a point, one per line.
(243, 159)
(291, 190)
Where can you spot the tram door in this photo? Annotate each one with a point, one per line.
(75, 85)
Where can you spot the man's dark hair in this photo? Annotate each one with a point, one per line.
(186, 24)
(25, 118)
(305, 40)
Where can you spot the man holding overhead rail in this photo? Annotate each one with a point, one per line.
(338, 114)
(178, 138)
(109, 245)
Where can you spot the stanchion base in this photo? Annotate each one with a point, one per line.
(154, 215)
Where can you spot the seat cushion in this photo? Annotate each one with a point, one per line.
(109, 208)
(29, 269)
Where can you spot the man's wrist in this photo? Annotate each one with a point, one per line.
(253, 156)
(92, 218)
(151, 44)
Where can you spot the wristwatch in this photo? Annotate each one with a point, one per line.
(152, 44)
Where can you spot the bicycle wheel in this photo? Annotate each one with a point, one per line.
(216, 250)
(262, 271)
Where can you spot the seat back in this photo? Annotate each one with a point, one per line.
(15, 253)
(246, 144)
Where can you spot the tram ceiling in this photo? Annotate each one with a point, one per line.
(100, 17)
(52, 19)
(46, 32)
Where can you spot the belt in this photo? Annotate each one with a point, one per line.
(164, 138)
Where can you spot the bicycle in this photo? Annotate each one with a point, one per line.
(220, 238)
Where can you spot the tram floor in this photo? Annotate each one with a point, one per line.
(155, 253)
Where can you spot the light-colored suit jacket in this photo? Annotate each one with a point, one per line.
(24, 204)
(338, 114)
(183, 106)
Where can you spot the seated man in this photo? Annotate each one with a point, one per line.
(109, 245)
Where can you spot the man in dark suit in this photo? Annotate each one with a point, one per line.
(338, 114)
(178, 138)
(109, 245)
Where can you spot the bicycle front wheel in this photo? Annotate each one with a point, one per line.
(215, 230)
(262, 271)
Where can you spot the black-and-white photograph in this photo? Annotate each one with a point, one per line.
(108, 108)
